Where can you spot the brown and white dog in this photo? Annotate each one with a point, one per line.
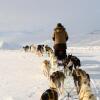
(50, 94)
(40, 50)
(46, 68)
(86, 92)
(79, 75)
(57, 80)
(53, 62)
(48, 50)
(33, 48)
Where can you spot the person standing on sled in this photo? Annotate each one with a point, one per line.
(60, 37)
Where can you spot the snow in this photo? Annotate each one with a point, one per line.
(21, 77)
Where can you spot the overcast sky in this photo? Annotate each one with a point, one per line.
(78, 16)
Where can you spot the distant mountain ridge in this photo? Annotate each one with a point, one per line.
(19, 39)
(9, 46)
(88, 39)
(95, 32)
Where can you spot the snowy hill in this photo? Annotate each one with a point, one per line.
(8, 46)
(86, 39)
(21, 77)
(15, 40)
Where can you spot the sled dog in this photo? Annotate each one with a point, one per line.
(57, 80)
(50, 94)
(86, 92)
(46, 68)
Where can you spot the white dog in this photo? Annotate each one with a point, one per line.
(46, 68)
(53, 62)
(33, 48)
(57, 79)
(48, 50)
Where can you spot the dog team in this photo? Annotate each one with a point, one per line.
(56, 74)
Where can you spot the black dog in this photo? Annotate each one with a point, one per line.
(26, 48)
(75, 61)
(40, 48)
(50, 94)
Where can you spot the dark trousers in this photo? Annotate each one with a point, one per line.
(60, 54)
(60, 51)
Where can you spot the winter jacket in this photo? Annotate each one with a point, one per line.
(60, 36)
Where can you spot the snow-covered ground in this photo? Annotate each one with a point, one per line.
(21, 77)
